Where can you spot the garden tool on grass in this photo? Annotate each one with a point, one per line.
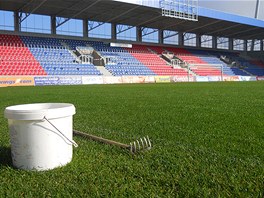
(137, 146)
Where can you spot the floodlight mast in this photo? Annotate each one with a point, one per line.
(181, 9)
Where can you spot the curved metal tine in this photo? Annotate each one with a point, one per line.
(142, 143)
(139, 148)
(149, 143)
(135, 147)
(146, 142)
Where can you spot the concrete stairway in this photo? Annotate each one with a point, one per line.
(103, 70)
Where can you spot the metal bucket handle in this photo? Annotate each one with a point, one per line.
(71, 141)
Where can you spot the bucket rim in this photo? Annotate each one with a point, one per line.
(37, 111)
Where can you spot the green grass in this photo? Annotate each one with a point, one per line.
(208, 141)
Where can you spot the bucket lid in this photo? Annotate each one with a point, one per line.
(38, 111)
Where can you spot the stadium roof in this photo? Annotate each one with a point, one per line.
(211, 22)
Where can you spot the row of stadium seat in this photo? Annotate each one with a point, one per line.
(252, 67)
(56, 58)
(50, 56)
(121, 61)
(16, 59)
(154, 62)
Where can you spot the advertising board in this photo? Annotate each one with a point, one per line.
(91, 80)
(112, 79)
(58, 80)
(231, 78)
(260, 78)
(182, 79)
(16, 81)
(247, 78)
(162, 79)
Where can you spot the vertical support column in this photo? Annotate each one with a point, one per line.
(252, 45)
(85, 28)
(53, 25)
(214, 42)
(245, 46)
(16, 22)
(198, 41)
(261, 45)
(161, 37)
(181, 38)
(139, 34)
(231, 44)
(113, 31)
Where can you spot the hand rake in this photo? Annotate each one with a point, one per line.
(137, 146)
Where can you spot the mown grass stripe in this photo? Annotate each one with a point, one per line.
(208, 141)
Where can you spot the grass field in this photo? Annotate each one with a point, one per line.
(208, 141)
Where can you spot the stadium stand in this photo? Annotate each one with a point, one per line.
(213, 61)
(206, 63)
(24, 55)
(197, 65)
(249, 67)
(258, 63)
(16, 58)
(56, 59)
(154, 62)
(120, 62)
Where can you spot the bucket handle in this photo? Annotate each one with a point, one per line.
(71, 141)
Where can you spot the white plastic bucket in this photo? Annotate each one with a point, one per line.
(41, 135)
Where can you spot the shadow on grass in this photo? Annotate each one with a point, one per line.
(5, 156)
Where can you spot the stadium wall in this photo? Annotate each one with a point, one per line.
(92, 80)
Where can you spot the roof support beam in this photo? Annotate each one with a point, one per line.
(121, 29)
(237, 42)
(187, 36)
(137, 25)
(77, 14)
(223, 29)
(21, 19)
(254, 35)
(124, 13)
(206, 38)
(203, 26)
(116, 17)
(173, 25)
(244, 31)
(146, 32)
(148, 21)
(169, 35)
(92, 26)
(221, 40)
(24, 6)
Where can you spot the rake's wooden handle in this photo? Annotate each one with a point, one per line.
(100, 139)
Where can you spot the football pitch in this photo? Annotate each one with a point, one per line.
(208, 141)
